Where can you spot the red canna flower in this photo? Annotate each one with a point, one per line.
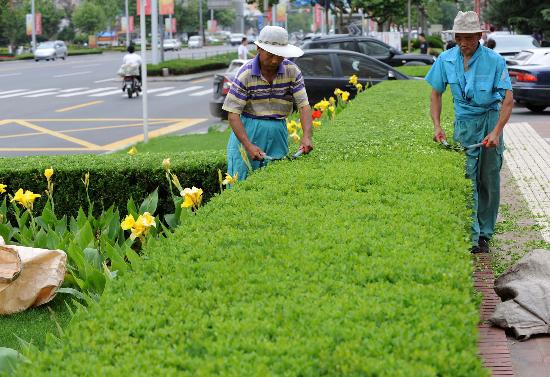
(316, 114)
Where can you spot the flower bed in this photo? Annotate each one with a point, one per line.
(351, 261)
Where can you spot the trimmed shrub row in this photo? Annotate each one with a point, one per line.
(352, 261)
(186, 66)
(113, 178)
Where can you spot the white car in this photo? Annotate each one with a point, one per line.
(50, 51)
(530, 56)
(236, 38)
(194, 42)
(171, 44)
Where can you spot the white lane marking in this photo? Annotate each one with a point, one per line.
(191, 88)
(109, 93)
(106, 80)
(87, 92)
(86, 66)
(72, 90)
(41, 94)
(73, 74)
(12, 91)
(56, 92)
(149, 91)
(27, 93)
(10, 74)
(202, 93)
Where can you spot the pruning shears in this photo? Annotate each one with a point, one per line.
(293, 157)
(459, 147)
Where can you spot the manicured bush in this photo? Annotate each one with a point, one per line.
(113, 178)
(186, 66)
(84, 51)
(351, 261)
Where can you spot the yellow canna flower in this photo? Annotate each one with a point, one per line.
(128, 222)
(337, 92)
(133, 151)
(229, 180)
(299, 125)
(359, 87)
(48, 173)
(138, 230)
(291, 126)
(353, 80)
(19, 197)
(166, 164)
(192, 197)
(345, 96)
(295, 137)
(316, 124)
(26, 199)
(331, 109)
(146, 220)
(3, 188)
(332, 101)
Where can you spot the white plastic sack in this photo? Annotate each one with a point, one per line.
(129, 70)
(29, 276)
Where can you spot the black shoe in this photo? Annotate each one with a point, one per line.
(483, 244)
(475, 250)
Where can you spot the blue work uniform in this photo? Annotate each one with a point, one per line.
(263, 107)
(477, 95)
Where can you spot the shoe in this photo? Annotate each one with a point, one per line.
(475, 250)
(483, 244)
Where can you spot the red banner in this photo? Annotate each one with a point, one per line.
(147, 7)
(37, 24)
(166, 7)
(318, 14)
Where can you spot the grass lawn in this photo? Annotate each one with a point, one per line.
(32, 325)
(213, 140)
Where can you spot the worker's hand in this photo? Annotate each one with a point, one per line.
(255, 152)
(439, 134)
(307, 145)
(492, 140)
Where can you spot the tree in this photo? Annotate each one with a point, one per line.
(89, 17)
(225, 17)
(12, 23)
(522, 16)
(51, 16)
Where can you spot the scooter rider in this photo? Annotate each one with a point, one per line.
(131, 58)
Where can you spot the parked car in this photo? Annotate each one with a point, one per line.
(529, 56)
(323, 71)
(171, 44)
(195, 42)
(510, 45)
(368, 46)
(50, 51)
(235, 39)
(531, 84)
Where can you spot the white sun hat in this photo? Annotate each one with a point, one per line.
(466, 22)
(274, 39)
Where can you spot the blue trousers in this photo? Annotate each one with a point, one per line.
(483, 169)
(271, 136)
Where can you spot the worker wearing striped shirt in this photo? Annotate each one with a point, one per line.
(259, 100)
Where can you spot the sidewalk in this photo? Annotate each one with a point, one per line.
(527, 158)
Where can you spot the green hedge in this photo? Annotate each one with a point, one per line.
(113, 178)
(352, 261)
(186, 66)
(85, 51)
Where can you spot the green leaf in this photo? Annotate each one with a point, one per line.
(41, 239)
(132, 256)
(93, 257)
(132, 208)
(115, 254)
(9, 358)
(150, 203)
(72, 292)
(85, 236)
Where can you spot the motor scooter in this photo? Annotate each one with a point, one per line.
(131, 85)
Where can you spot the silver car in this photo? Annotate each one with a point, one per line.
(50, 51)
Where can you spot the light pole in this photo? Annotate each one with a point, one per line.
(143, 33)
(409, 26)
(33, 26)
(201, 28)
(127, 24)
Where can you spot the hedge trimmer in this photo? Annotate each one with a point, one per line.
(460, 148)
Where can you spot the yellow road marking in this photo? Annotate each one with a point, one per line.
(161, 131)
(43, 149)
(58, 134)
(5, 121)
(201, 80)
(78, 106)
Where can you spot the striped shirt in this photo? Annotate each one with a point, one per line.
(251, 94)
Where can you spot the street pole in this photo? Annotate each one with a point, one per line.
(143, 69)
(266, 5)
(127, 24)
(201, 28)
(154, 31)
(33, 27)
(327, 7)
(409, 26)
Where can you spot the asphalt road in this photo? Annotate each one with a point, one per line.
(77, 106)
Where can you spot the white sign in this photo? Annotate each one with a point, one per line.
(393, 38)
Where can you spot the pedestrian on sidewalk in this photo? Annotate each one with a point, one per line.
(424, 46)
(242, 51)
(259, 100)
(483, 101)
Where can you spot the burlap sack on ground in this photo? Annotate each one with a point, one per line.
(29, 276)
(525, 291)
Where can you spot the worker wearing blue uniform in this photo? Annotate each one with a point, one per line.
(482, 96)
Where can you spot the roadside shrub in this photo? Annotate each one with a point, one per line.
(186, 66)
(113, 178)
(84, 51)
(351, 261)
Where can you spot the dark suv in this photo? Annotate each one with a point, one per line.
(368, 46)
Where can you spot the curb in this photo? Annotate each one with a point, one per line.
(184, 78)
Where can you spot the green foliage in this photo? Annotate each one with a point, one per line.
(415, 70)
(351, 261)
(113, 178)
(186, 66)
(89, 17)
(522, 16)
